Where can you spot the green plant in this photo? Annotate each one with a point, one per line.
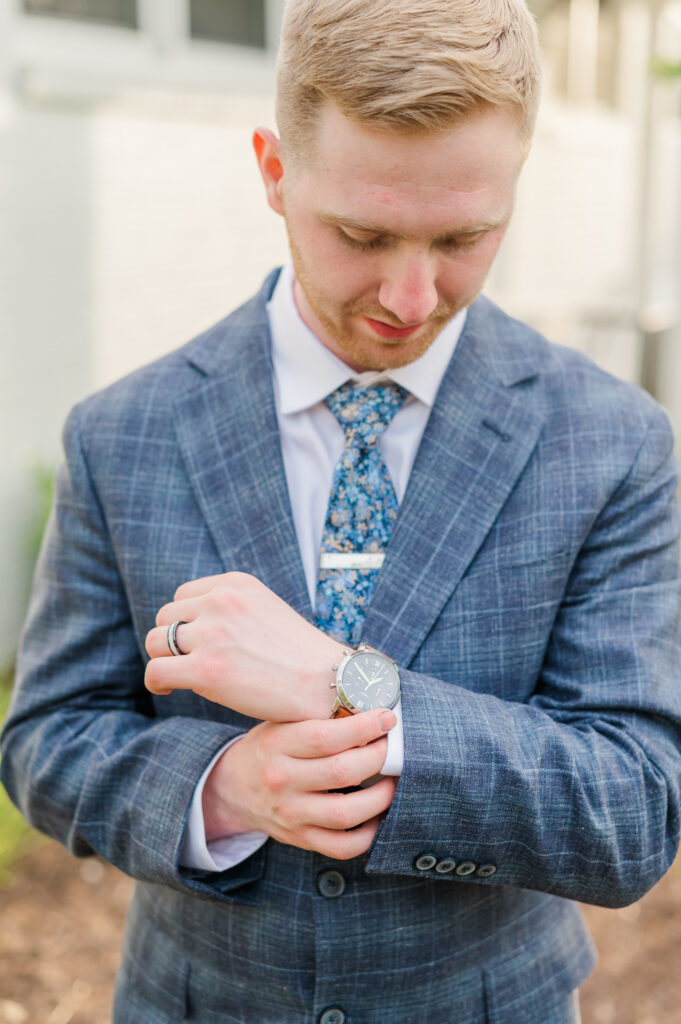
(666, 68)
(15, 835)
(43, 482)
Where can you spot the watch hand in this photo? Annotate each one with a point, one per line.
(362, 674)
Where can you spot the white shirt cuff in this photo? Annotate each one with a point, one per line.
(394, 759)
(223, 853)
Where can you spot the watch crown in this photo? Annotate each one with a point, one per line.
(334, 668)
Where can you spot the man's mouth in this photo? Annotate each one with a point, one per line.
(388, 331)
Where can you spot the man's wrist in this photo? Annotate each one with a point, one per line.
(322, 679)
(218, 822)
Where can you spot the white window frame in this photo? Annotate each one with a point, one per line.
(44, 56)
(74, 18)
(226, 42)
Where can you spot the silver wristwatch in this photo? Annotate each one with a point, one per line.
(365, 679)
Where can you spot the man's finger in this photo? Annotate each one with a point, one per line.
(338, 771)
(197, 587)
(163, 675)
(348, 810)
(341, 845)
(156, 643)
(320, 737)
(178, 611)
(201, 586)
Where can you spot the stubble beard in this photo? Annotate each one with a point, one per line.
(357, 350)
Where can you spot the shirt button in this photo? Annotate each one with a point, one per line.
(334, 1015)
(443, 867)
(331, 884)
(467, 868)
(486, 870)
(425, 862)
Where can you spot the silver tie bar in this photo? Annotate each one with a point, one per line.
(351, 560)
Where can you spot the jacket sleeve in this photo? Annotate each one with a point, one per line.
(575, 792)
(85, 757)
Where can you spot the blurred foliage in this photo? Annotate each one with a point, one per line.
(15, 835)
(43, 482)
(666, 68)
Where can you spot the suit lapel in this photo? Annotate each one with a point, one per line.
(478, 439)
(229, 439)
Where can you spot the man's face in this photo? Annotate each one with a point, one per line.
(393, 233)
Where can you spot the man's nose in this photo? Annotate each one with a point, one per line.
(408, 290)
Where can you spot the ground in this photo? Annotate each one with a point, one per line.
(62, 921)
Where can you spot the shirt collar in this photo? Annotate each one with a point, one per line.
(305, 371)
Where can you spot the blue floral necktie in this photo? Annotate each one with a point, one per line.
(362, 506)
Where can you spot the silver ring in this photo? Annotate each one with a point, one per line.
(172, 642)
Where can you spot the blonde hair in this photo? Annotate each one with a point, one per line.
(405, 64)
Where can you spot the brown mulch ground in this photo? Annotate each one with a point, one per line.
(61, 923)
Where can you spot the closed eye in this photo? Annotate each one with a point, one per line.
(459, 243)
(366, 245)
(453, 243)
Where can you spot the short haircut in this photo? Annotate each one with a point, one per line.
(403, 65)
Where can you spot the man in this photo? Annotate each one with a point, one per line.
(495, 516)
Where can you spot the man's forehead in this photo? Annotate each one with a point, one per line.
(482, 150)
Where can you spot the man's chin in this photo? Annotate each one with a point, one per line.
(372, 352)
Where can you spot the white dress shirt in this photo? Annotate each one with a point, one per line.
(312, 441)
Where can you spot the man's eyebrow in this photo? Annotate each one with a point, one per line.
(378, 229)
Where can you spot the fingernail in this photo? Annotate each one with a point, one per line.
(387, 721)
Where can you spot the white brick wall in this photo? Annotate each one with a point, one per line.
(45, 318)
(181, 231)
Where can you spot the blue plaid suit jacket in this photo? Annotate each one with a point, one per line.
(530, 595)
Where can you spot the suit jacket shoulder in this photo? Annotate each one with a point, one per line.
(577, 399)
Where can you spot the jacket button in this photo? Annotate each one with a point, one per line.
(466, 868)
(443, 867)
(486, 870)
(334, 1015)
(425, 862)
(331, 884)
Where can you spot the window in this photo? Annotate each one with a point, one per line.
(229, 21)
(112, 12)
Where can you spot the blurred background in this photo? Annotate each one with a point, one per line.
(132, 217)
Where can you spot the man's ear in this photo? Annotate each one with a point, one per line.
(268, 154)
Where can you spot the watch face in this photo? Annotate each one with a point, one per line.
(370, 680)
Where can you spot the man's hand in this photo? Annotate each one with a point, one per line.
(277, 780)
(245, 649)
